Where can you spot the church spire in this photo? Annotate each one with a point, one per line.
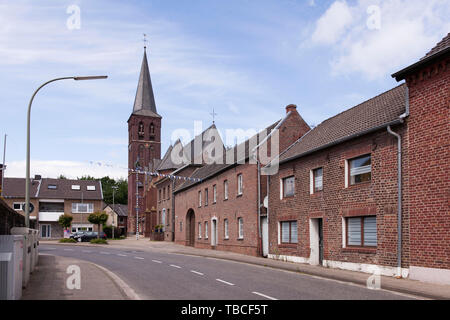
(144, 103)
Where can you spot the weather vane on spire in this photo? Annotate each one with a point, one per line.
(213, 115)
(145, 41)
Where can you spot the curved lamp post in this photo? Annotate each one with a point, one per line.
(27, 179)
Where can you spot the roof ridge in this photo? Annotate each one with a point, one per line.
(359, 104)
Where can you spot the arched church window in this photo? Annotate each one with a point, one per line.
(141, 130)
(152, 132)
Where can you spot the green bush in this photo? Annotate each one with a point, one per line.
(68, 240)
(98, 241)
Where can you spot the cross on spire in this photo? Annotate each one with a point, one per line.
(213, 115)
(145, 41)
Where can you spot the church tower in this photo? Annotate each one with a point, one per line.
(144, 144)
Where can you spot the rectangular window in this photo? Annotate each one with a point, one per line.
(206, 230)
(199, 230)
(225, 190)
(360, 169)
(168, 192)
(289, 232)
(241, 228)
(18, 206)
(206, 197)
(160, 193)
(199, 198)
(214, 193)
(225, 224)
(288, 187)
(181, 226)
(76, 187)
(362, 231)
(52, 187)
(82, 207)
(240, 184)
(90, 188)
(318, 179)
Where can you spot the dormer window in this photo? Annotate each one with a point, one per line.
(90, 188)
(52, 187)
(76, 187)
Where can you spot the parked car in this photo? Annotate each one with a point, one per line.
(75, 235)
(88, 236)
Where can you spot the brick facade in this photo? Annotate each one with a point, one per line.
(238, 206)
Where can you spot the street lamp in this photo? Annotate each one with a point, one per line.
(114, 210)
(27, 178)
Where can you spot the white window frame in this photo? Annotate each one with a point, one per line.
(240, 184)
(90, 207)
(90, 188)
(199, 230)
(21, 204)
(76, 187)
(200, 198)
(348, 170)
(206, 229)
(283, 189)
(225, 190)
(240, 228)
(225, 226)
(214, 193)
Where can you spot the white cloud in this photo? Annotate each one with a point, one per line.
(408, 29)
(332, 25)
(70, 169)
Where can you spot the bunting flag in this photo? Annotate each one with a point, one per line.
(145, 172)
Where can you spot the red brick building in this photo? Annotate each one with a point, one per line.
(342, 200)
(428, 158)
(221, 211)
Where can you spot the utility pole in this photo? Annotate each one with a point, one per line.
(3, 166)
(114, 210)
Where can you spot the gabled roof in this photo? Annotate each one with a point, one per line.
(441, 49)
(166, 162)
(120, 209)
(368, 116)
(15, 188)
(241, 152)
(144, 103)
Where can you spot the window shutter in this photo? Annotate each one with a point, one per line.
(354, 231)
(370, 231)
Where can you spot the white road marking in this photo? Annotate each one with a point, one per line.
(226, 282)
(122, 255)
(139, 258)
(196, 272)
(175, 266)
(157, 261)
(68, 249)
(263, 295)
(102, 252)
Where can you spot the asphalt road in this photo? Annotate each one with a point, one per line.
(166, 276)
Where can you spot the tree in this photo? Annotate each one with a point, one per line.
(98, 218)
(65, 220)
(62, 177)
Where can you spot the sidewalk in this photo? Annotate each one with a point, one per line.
(422, 289)
(48, 282)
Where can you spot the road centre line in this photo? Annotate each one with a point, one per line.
(196, 272)
(175, 266)
(139, 258)
(157, 261)
(264, 296)
(226, 282)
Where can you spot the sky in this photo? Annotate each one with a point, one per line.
(247, 59)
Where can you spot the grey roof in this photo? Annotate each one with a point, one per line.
(361, 119)
(15, 188)
(240, 152)
(166, 162)
(120, 209)
(440, 46)
(144, 103)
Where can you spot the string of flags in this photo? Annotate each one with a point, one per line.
(146, 173)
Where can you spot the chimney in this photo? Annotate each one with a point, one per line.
(291, 107)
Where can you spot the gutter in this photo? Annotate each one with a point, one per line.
(258, 163)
